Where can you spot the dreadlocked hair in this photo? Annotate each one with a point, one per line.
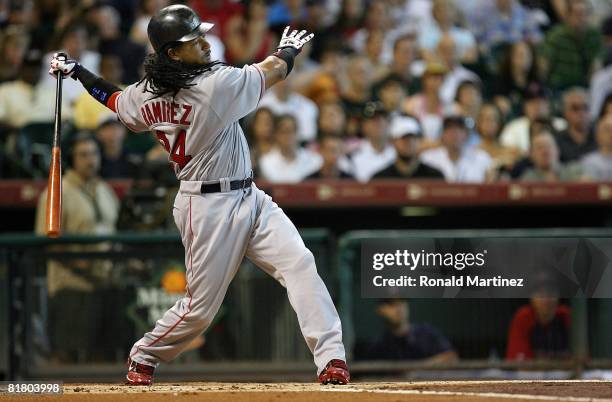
(164, 75)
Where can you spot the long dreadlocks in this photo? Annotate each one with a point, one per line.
(164, 75)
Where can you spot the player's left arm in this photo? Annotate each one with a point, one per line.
(277, 66)
(102, 90)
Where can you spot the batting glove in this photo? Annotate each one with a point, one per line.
(294, 39)
(61, 63)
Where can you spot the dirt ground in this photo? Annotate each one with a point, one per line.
(451, 391)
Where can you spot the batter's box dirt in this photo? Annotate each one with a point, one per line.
(443, 391)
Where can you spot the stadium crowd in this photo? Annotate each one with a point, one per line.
(462, 91)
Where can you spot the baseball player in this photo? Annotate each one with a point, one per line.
(193, 105)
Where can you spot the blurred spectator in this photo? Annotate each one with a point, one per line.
(597, 165)
(350, 19)
(90, 207)
(331, 149)
(404, 340)
(536, 106)
(14, 43)
(131, 54)
(391, 93)
(332, 120)
(248, 38)
(488, 126)
(540, 330)
(218, 12)
(376, 19)
(375, 151)
(546, 163)
(601, 81)
(427, 105)
(17, 97)
(406, 135)
(572, 50)
(73, 41)
(146, 10)
(115, 162)
(287, 162)
(445, 17)
(373, 50)
(468, 101)
(500, 22)
(456, 73)
(281, 99)
(87, 110)
(261, 135)
(287, 12)
(578, 139)
(356, 90)
(518, 70)
(401, 65)
(457, 162)
(324, 85)
(317, 22)
(606, 107)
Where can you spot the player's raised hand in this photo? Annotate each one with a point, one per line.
(294, 39)
(61, 63)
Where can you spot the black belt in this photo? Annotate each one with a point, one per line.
(234, 185)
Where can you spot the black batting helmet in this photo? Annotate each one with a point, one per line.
(177, 23)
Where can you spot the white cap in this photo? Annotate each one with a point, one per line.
(404, 125)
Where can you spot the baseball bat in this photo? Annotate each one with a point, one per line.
(54, 183)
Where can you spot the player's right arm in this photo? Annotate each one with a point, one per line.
(277, 67)
(102, 90)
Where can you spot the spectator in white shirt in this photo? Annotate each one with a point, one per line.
(598, 164)
(283, 100)
(536, 106)
(457, 162)
(375, 152)
(288, 162)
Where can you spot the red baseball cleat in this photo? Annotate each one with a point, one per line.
(336, 372)
(139, 374)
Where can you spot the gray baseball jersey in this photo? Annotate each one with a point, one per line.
(199, 127)
(199, 130)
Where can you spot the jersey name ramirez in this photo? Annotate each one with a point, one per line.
(161, 111)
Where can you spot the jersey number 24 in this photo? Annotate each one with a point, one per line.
(177, 152)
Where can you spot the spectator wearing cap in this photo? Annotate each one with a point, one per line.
(405, 340)
(515, 133)
(572, 50)
(547, 166)
(406, 136)
(427, 105)
(598, 164)
(282, 99)
(444, 14)
(288, 162)
(114, 161)
(458, 162)
(375, 152)
(331, 149)
(578, 139)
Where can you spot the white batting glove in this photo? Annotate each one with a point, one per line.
(294, 39)
(60, 62)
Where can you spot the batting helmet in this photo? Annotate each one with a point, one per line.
(177, 23)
